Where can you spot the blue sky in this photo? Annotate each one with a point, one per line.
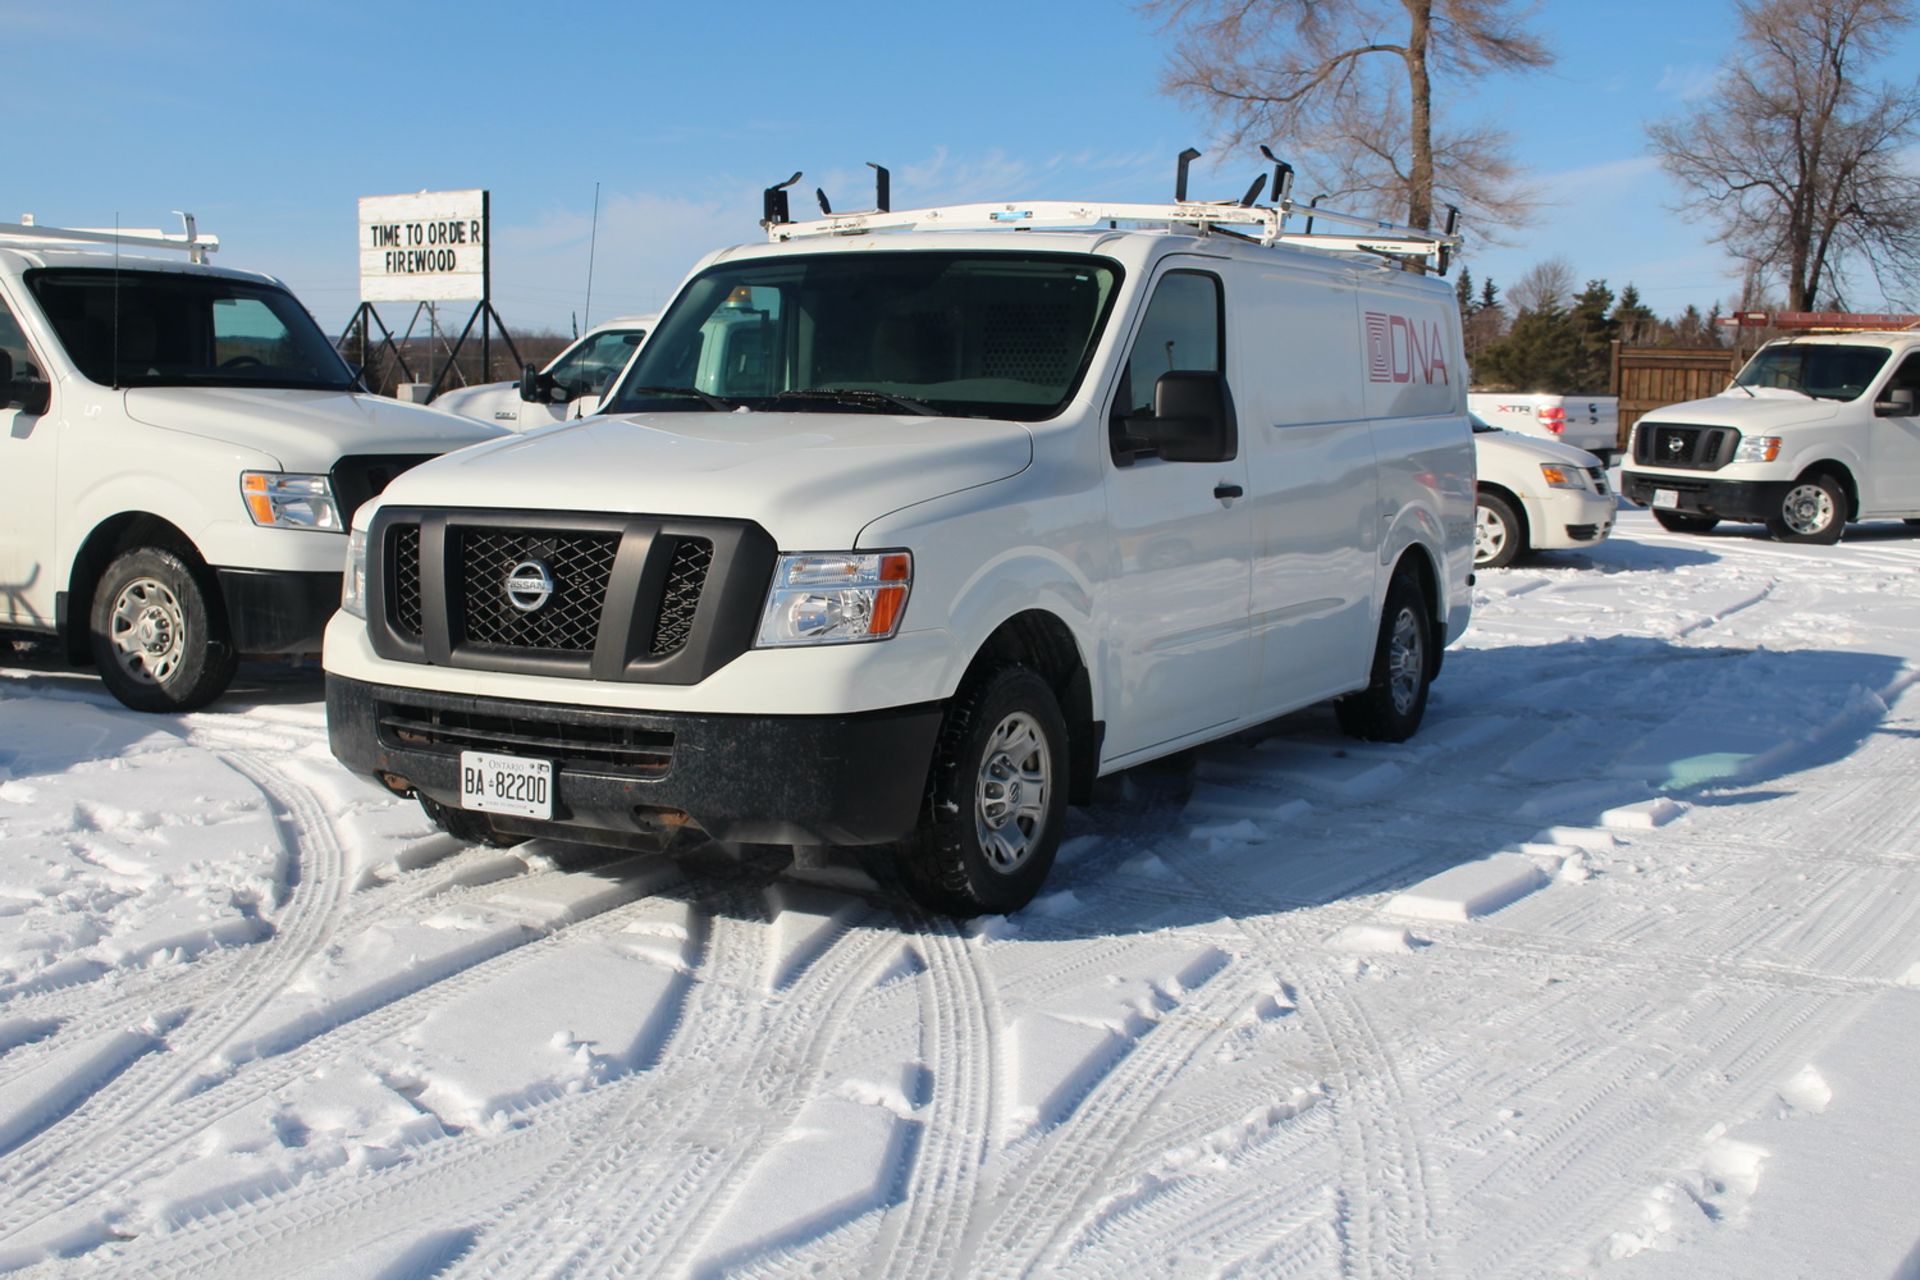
(269, 121)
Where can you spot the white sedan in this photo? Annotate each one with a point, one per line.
(1535, 495)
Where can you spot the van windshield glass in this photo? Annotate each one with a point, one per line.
(1825, 371)
(175, 329)
(1003, 335)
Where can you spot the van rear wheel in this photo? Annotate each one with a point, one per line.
(158, 632)
(1389, 709)
(996, 799)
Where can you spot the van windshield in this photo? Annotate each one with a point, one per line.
(180, 329)
(951, 334)
(1824, 371)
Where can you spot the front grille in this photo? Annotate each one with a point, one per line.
(569, 621)
(358, 477)
(407, 619)
(619, 750)
(685, 580)
(1685, 448)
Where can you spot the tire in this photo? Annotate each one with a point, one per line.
(1499, 532)
(465, 825)
(159, 632)
(1814, 510)
(1680, 522)
(1390, 707)
(980, 850)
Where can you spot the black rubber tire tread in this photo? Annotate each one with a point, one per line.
(465, 825)
(207, 667)
(1516, 531)
(1370, 714)
(941, 865)
(1827, 536)
(1681, 522)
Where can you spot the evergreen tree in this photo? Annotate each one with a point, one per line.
(1592, 320)
(1634, 320)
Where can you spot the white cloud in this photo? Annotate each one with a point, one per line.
(1689, 82)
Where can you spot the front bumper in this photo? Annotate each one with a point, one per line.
(1564, 518)
(622, 777)
(278, 610)
(1749, 500)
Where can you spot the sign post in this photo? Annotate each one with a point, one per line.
(424, 248)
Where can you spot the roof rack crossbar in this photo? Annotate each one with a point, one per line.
(1267, 225)
(194, 243)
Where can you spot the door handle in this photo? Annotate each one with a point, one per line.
(1223, 491)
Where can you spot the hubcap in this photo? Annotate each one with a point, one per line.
(1807, 508)
(1010, 796)
(1489, 534)
(1406, 661)
(149, 631)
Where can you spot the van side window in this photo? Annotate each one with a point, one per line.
(1181, 331)
(589, 367)
(14, 343)
(1906, 377)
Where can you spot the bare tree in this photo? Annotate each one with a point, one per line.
(1547, 286)
(1352, 81)
(1799, 161)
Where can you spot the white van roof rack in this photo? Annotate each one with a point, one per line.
(1264, 224)
(195, 245)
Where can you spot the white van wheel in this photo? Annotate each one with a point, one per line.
(159, 636)
(1813, 510)
(1389, 709)
(1498, 536)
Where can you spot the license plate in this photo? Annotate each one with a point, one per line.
(1666, 498)
(506, 784)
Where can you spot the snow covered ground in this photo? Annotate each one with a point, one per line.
(1614, 970)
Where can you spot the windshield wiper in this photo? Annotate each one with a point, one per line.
(712, 402)
(859, 398)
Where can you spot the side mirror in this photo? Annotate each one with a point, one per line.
(1898, 404)
(1193, 419)
(536, 387)
(29, 395)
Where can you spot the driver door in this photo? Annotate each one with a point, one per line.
(28, 451)
(1894, 480)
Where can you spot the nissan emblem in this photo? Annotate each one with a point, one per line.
(529, 585)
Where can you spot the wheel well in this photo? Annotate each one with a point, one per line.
(1506, 495)
(1039, 640)
(1420, 561)
(1840, 474)
(111, 537)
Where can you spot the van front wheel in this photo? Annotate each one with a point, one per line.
(1813, 510)
(158, 632)
(996, 800)
(1390, 707)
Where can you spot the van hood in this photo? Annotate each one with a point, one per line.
(305, 430)
(1516, 445)
(1748, 414)
(812, 480)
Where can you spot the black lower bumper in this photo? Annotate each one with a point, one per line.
(619, 776)
(278, 611)
(1751, 500)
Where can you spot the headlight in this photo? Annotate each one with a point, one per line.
(1758, 449)
(285, 500)
(1562, 477)
(836, 597)
(353, 583)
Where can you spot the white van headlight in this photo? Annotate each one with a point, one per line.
(353, 583)
(286, 500)
(835, 597)
(1757, 449)
(1558, 477)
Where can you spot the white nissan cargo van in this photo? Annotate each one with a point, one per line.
(180, 452)
(1813, 432)
(905, 526)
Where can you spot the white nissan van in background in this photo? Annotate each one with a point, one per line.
(1813, 433)
(180, 452)
(904, 527)
(571, 386)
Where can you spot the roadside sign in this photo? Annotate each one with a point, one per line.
(427, 247)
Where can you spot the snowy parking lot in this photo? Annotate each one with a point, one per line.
(1614, 969)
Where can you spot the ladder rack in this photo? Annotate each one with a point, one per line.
(1264, 224)
(195, 245)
